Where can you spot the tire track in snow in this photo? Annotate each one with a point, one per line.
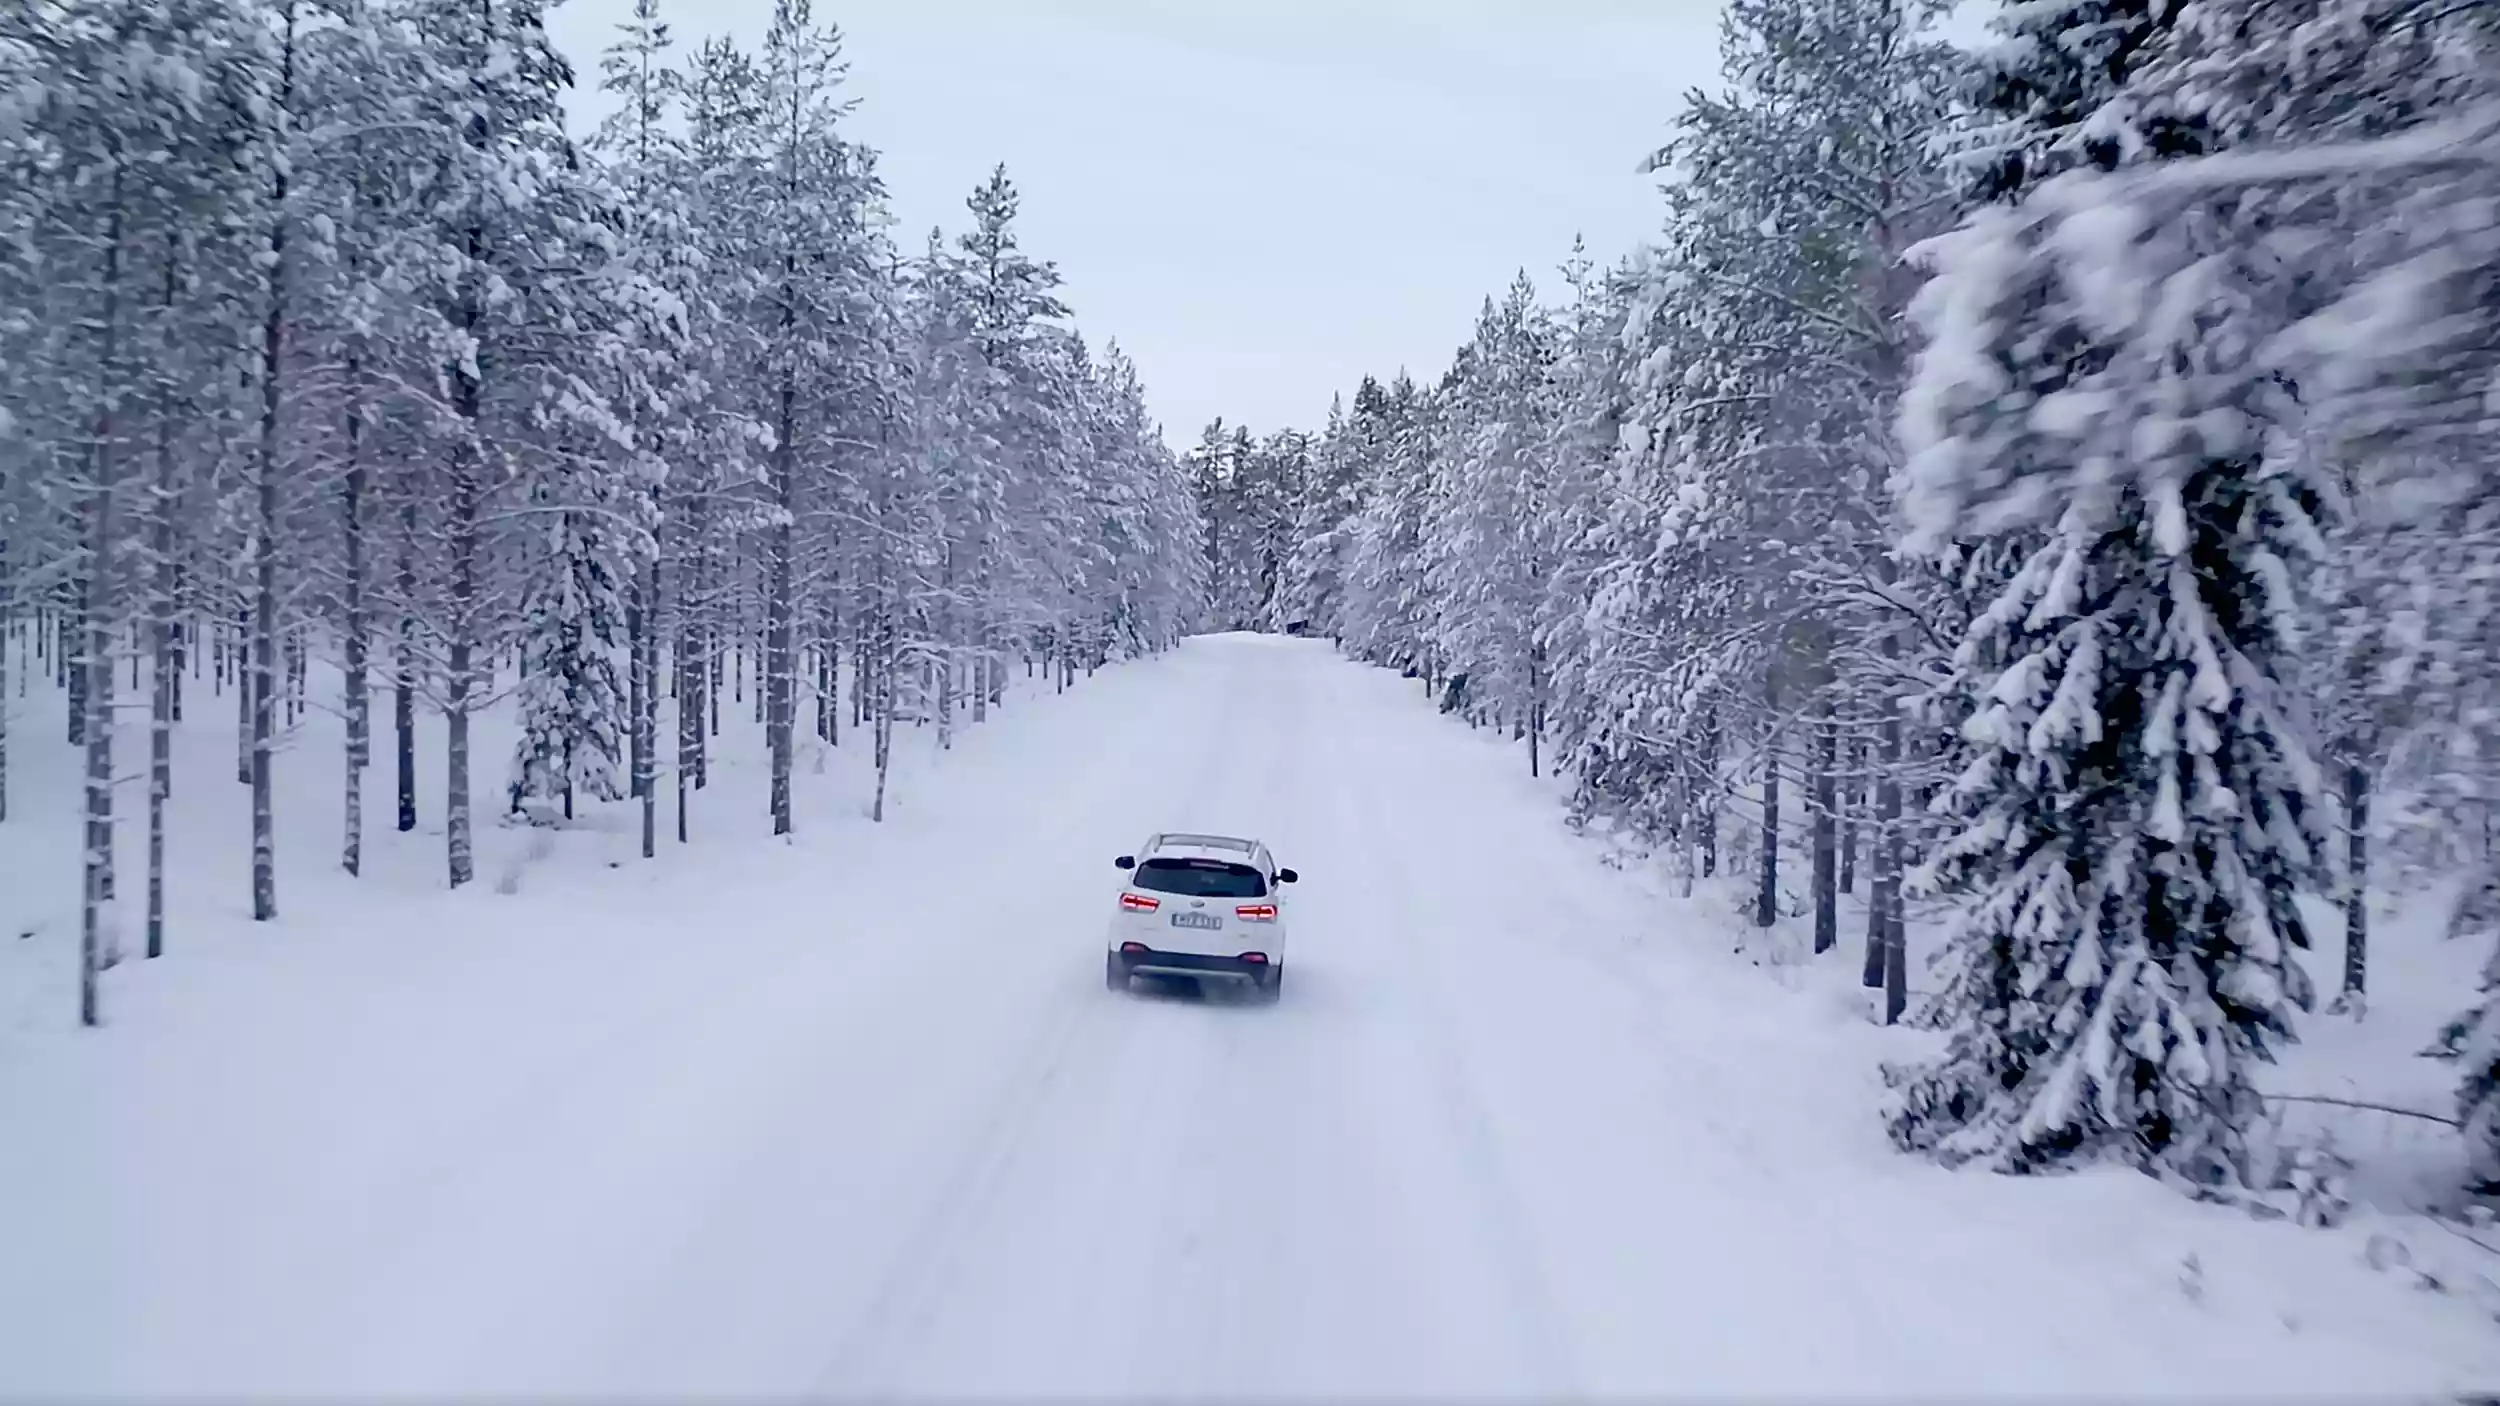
(908, 1299)
(1524, 1281)
(1243, 1123)
(924, 1270)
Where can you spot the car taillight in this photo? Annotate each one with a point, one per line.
(1134, 949)
(1256, 959)
(1139, 903)
(1256, 912)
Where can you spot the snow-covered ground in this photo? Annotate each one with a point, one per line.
(854, 1115)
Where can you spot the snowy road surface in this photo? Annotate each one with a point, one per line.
(862, 1120)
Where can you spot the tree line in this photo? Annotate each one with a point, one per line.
(2046, 486)
(321, 339)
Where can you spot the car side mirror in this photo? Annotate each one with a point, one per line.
(1126, 861)
(1286, 876)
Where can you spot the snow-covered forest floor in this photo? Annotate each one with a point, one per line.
(2360, 1085)
(208, 839)
(850, 1114)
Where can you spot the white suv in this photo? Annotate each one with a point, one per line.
(1200, 906)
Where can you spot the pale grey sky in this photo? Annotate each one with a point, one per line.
(1260, 199)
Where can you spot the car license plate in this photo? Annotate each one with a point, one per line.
(1197, 920)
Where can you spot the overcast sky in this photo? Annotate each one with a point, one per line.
(1261, 200)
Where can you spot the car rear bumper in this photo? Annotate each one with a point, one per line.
(1150, 962)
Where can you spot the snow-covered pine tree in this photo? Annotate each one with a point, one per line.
(808, 252)
(505, 231)
(116, 119)
(1579, 529)
(1013, 301)
(708, 486)
(2141, 806)
(647, 160)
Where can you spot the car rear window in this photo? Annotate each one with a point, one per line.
(1201, 878)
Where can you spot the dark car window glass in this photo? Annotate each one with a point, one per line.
(1201, 878)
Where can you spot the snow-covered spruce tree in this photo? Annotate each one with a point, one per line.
(1385, 610)
(2362, 151)
(1487, 557)
(1313, 594)
(2141, 807)
(572, 705)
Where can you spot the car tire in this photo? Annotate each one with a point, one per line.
(1114, 972)
(1271, 988)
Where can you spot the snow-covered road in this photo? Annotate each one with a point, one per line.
(862, 1120)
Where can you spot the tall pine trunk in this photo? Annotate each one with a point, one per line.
(1851, 795)
(164, 670)
(646, 721)
(1826, 838)
(780, 682)
(265, 518)
(692, 687)
(404, 670)
(1886, 960)
(1766, 894)
(358, 693)
(1705, 794)
(2353, 998)
(460, 657)
(1536, 709)
(241, 648)
(942, 662)
(96, 723)
(881, 718)
(70, 653)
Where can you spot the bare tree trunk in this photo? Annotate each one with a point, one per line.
(942, 664)
(780, 683)
(359, 694)
(692, 687)
(404, 669)
(1705, 792)
(635, 685)
(1536, 709)
(72, 655)
(241, 652)
(265, 523)
(704, 668)
(163, 670)
(2354, 998)
(1884, 955)
(647, 700)
(1852, 793)
(981, 639)
(96, 726)
(1766, 894)
(860, 665)
(184, 658)
(829, 703)
(882, 719)
(1826, 845)
(459, 858)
